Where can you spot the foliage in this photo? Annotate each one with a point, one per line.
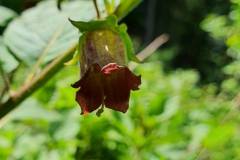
(190, 45)
(6, 15)
(171, 117)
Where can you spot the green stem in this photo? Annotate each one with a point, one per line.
(32, 86)
(96, 8)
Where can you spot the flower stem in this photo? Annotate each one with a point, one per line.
(96, 8)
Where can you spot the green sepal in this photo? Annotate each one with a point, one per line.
(80, 45)
(74, 60)
(129, 49)
(110, 23)
(76, 57)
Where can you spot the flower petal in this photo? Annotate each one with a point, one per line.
(90, 96)
(118, 81)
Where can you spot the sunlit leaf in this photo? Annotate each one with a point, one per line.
(44, 31)
(6, 15)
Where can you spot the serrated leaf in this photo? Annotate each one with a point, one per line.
(6, 15)
(45, 32)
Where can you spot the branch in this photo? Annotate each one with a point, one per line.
(35, 84)
(96, 8)
(150, 49)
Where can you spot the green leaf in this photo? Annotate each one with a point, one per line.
(219, 136)
(109, 6)
(125, 7)
(45, 32)
(215, 25)
(6, 15)
(7, 61)
(32, 110)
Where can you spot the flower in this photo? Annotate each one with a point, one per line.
(106, 80)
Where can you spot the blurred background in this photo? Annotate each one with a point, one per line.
(187, 107)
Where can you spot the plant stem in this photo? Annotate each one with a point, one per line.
(150, 49)
(32, 86)
(96, 8)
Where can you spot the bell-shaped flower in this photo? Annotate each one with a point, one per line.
(104, 50)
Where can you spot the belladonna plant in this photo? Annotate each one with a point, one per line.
(104, 52)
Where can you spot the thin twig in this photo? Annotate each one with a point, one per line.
(150, 49)
(96, 8)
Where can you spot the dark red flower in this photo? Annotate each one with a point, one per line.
(105, 81)
(109, 86)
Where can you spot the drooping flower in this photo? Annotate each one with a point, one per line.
(105, 78)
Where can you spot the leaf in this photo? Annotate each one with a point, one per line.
(215, 25)
(128, 43)
(109, 6)
(32, 110)
(45, 32)
(6, 15)
(219, 136)
(171, 108)
(74, 60)
(125, 7)
(7, 61)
